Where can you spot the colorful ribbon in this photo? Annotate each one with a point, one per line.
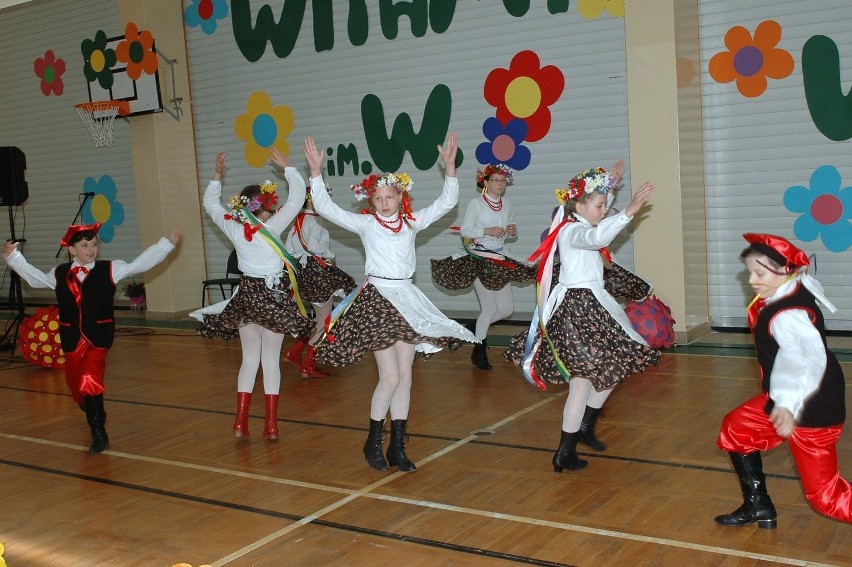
(297, 230)
(338, 312)
(289, 262)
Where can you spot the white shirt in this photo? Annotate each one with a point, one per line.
(256, 258)
(480, 216)
(120, 269)
(801, 359)
(315, 236)
(389, 255)
(581, 264)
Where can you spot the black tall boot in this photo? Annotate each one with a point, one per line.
(479, 356)
(566, 455)
(587, 429)
(757, 506)
(373, 446)
(96, 417)
(396, 448)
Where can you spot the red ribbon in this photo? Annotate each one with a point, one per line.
(74, 283)
(249, 230)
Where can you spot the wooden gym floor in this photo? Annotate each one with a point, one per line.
(176, 487)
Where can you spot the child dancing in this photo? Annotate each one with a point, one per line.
(387, 313)
(85, 289)
(262, 310)
(802, 388)
(579, 331)
(319, 281)
(488, 222)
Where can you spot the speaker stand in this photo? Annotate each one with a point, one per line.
(15, 302)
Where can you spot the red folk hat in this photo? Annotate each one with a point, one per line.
(778, 249)
(76, 229)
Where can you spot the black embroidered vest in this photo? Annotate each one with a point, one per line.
(826, 406)
(94, 319)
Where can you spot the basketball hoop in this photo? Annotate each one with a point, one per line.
(98, 116)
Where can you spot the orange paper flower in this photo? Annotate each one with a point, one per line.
(751, 61)
(137, 51)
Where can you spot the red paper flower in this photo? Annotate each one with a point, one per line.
(525, 90)
(49, 70)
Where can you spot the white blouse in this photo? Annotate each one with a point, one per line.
(256, 258)
(388, 255)
(480, 216)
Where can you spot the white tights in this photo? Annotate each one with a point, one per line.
(581, 393)
(393, 391)
(260, 347)
(321, 312)
(494, 306)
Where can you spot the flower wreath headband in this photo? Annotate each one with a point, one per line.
(482, 174)
(401, 181)
(595, 180)
(239, 204)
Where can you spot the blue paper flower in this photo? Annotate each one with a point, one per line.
(205, 13)
(103, 207)
(504, 145)
(826, 208)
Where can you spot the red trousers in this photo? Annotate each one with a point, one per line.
(747, 429)
(84, 370)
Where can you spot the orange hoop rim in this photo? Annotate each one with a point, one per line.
(122, 107)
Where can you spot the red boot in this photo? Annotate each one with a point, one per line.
(309, 368)
(241, 422)
(270, 427)
(294, 355)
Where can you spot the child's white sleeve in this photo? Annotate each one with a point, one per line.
(149, 258)
(29, 273)
(800, 362)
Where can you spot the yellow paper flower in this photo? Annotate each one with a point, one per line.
(592, 9)
(264, 126)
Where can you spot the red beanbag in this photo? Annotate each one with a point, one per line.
(652, 319)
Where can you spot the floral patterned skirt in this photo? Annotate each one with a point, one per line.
(371, 323)
(318, 284)
(621, 282)
(460, 273)
(590, 343)
(272, 309)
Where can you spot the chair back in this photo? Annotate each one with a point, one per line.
(233, 266)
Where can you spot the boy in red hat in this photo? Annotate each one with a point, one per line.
(802, 398)
(84, 291)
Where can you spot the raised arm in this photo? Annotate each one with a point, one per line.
(448, 154)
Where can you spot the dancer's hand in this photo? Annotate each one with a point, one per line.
(782, 419)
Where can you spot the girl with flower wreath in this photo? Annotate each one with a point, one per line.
(387, 313)
(488, 223)
(579, 333)
(264, 307)
(319, 281)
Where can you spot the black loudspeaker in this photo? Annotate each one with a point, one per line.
(13, 179)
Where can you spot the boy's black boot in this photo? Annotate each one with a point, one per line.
(587, 429)
(566, 455)
(96, 418)
(396, 448)
(757, 506)
(479, 356)
(373, 446)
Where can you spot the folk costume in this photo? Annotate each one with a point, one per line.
(85, 294)
(799, 374)
(578, 329)
(484, 264)
(320, 280)
(265, 297)
(387, 307)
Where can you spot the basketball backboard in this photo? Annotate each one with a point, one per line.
(143, 94)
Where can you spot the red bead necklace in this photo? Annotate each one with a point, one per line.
(494, 207)
(393, 226)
